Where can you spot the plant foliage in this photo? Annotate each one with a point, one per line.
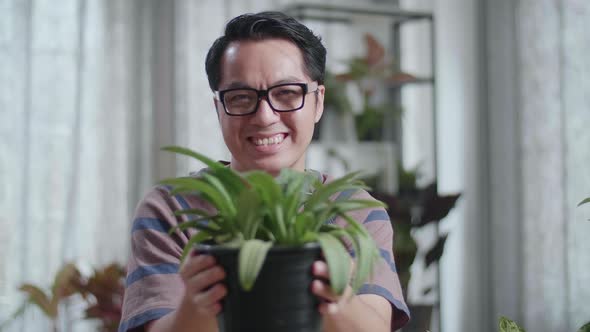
(102, 292)
(507, 325)
(256, 211)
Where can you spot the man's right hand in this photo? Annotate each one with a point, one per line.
(200, 304)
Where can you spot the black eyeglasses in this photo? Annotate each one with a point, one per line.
(287, 97)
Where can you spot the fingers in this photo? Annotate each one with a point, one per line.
(209, 300)
(202, 280)
(320, 270)
(195, 264)
(321, 288)
(323, 291)
(205, 278)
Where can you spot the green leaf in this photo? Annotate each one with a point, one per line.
(250, 261)
(323, 192)
(338, 261)
(210, 193)
(249, 213)
(195, 211)
(303, 224)
(507, 325)
(202, 224)
(367, 251)
(232, 179)
(223, 191)
(266, 186)
(587, 200)
(585, 328)
(195, 239)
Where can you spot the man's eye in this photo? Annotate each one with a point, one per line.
(240, 98)
(286, 92)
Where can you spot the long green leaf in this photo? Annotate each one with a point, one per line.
(229, 204)
(202, 224)
(303, 223)
(294, 196)
(228, 176)
(367, 251)
(338, 261)
(250, 261)
(265, 184)
(585, 201)
(249, 213)
(324, 192)
(210, 193)
(585, 328)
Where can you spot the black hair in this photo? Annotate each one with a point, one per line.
(266, 25)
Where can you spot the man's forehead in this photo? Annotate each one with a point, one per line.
(261, 63)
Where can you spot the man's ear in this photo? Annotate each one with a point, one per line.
(319, 110)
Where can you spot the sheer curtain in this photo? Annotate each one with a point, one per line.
(89, 92)
(76, 144)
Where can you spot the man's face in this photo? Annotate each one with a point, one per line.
(267, 140)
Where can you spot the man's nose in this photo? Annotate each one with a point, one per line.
(265, 115)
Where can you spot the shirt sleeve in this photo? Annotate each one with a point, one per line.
(385, 280)
(153, 287)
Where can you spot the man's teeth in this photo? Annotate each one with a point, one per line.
(268, 141)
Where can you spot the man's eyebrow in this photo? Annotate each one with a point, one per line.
(235, 85)
(289, 79)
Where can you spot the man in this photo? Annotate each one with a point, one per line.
(267, 73)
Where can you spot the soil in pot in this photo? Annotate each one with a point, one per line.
(281, 299)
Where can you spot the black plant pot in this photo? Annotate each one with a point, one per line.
(281, 299)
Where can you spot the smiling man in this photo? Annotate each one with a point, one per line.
(267, 104)
(267, 75)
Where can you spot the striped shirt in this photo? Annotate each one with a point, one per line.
(153, 287)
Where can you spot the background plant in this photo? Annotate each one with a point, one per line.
(370, 73)
(507, 325)
(415, 207)
(102, 293)
(256, 211)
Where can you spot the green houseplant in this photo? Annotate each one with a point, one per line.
(260, 218)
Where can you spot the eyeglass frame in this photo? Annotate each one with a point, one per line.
(264, 93)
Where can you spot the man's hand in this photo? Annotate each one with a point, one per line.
(349, 313)
(201, 301)
(203, 290)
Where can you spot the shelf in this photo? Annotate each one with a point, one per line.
(336, 13)
(414, 81)
(339, 158)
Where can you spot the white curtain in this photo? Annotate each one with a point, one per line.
(89, 92)
(76, 137)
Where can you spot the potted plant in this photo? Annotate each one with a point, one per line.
(266, 233)
(370, 74)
